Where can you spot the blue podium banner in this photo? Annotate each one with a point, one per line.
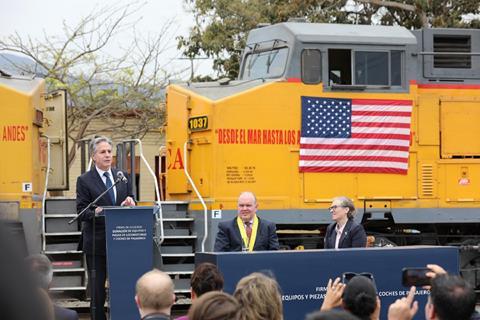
(129, 235)
(303, 275)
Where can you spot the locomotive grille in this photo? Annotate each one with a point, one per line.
(455, 44)
(427, 184)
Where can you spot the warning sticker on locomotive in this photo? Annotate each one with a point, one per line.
(198, 123)
(237, 174)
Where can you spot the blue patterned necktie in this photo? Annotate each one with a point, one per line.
(109, 184)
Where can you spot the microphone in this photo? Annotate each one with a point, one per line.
(122, 177)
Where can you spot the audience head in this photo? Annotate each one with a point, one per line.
(331, 315)
(154, 293)
(41, 268)
(214, 305)
(206, 278)
(360, 297)
(259, 297)
(451, 298)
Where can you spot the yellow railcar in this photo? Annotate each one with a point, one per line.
(419, 185)
(31, 120)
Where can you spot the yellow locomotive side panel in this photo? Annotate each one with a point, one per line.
(252, 142)
(459, 125)
(186, 113)
(256, 145)
(448, 147)
(21, 166)
(201, 164)
(176, 137)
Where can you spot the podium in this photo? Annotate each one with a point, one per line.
(129, 237)
(303, 275)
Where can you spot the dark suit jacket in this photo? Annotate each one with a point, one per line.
(353, 236)
(65, 314)
(89, 186)
(229, 238)
(157, 316)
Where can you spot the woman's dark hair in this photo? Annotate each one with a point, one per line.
(360, 297)
(206, 278)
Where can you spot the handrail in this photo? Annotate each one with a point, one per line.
(44, 199)
(205, 213)
(159, 213)
(448, 53)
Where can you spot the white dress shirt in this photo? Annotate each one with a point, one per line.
(104, 179)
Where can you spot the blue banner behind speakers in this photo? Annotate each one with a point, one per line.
(129, 234)
(303, 275)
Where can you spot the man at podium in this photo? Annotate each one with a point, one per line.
(247, 231)
(91, 185)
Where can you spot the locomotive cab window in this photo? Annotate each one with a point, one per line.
(265, 64)
(365, 68)
(311, 66)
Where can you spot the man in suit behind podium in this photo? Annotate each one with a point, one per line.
(89, 186)
(247, 231)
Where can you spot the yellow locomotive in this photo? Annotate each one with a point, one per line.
(33, 139)
(384, 115)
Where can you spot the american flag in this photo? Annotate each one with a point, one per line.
(355, 135)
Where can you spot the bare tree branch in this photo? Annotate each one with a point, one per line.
(123, 94)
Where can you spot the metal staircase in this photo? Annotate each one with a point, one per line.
(177, 252)
(60, 242)
(175, 256)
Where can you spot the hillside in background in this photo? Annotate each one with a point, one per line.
(17, 65)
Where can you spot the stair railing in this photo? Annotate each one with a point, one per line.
(44, 198)
(158, 206)
(199, 196)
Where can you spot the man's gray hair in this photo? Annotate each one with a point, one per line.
(96, 141)
(347, 203)
(42, 269)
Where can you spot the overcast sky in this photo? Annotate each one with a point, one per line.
(33, 17)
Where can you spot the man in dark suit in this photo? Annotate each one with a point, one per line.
(89, 186)
(344, 232)
(247, 232)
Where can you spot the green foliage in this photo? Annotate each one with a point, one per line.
(221, 26)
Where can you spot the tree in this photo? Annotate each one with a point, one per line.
(221, 26)
(111, 89)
